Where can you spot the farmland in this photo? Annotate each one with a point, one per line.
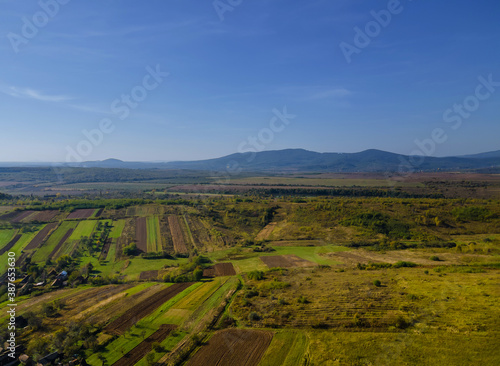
(233, 347)
(177, 235)
(279, 280)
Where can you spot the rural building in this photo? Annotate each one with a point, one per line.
(25, 360)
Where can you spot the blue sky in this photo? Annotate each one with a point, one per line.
(230, 70)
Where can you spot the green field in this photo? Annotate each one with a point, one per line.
(5, 236)
(246, 260)
(287, 348)
(433, 348)
(144, 328)
(23, 241)
(117, 229)
(154, 234)
(43, 252)
(84, 228)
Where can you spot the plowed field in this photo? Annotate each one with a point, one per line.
(81, 214)
(233, 347)
(42, 234)
(285, 261)
(220, 269)
(141, 234)
(177, 237)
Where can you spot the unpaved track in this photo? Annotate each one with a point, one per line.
(266, 231)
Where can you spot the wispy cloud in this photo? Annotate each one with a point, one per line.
(330, 94)
(29, 93)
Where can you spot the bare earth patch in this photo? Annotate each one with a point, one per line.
(351, 258)
(285, 261)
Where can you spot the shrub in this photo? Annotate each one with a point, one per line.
(377, 283)
(302, 300)
(253, 316)
(251, 293)
(256, 275)
(435, 258)
(404, 264)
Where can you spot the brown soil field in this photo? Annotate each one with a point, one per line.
(10, 244)
(177, 237)
(233, 347)
(352, 258)
(42, 234)
(61, 242)
(81, 214)
(266, 231)
(44, 216)
(141, 234)
(74, 303)
(200, 233)
(148, 275)
(9, 216)
(21, 216)
(102, 312)
(165, 230)
(286, 261)
(83, 300)
(146, 346)
(105, 250)
(139, 311)
(220, 269)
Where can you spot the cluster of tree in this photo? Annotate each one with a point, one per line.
(189, 272)
(341, 192)
(373, 266)
(69, 340)
(472, 213)
(380, 223)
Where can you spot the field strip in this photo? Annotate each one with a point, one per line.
(189, 231)
(42, 234)
(10, 244)
(146, 307)
(138, 352)
(233, 347)
(101, 304)
(141, 234)
(81, 213)
(266, 231)
(61, 242)
(177, 237)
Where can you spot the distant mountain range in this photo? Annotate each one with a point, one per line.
(300, 160)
